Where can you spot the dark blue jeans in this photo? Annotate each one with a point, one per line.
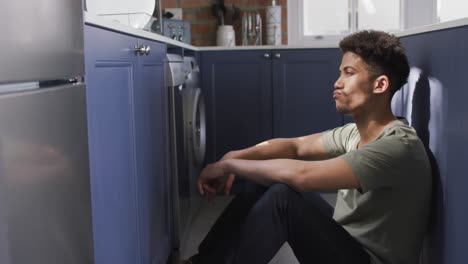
(259, 220)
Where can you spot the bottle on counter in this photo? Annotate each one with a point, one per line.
(258, 29)
(273, 24)
(245, 29)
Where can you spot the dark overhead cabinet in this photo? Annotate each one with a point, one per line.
(255, 95)
(237, 88)
(303, 91)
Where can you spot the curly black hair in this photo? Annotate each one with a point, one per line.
(382, 52)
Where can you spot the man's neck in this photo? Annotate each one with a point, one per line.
(371, 126)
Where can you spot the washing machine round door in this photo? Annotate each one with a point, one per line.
(197, 124)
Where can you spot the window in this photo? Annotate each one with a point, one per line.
(330, 19)
(379, 15)
(451, 9)
(327, 21)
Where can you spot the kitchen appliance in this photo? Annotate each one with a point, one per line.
(177, 29)
(180, 182)
(45, 203)
(188, 140)
(196, 117)
(142, 14)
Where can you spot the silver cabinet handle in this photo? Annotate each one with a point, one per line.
(266, 55)
(278, 55)
(147, 50)
(141, 50)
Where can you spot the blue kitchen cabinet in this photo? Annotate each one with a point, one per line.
(237, 89)
(128, 154)
(303, 91)
(150, 105)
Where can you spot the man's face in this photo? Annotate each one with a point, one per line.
(353, 89)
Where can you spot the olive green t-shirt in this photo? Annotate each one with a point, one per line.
(388, 215)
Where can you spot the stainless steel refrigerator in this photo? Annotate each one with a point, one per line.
(45, 203)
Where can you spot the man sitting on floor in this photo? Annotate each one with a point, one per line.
(377, 164)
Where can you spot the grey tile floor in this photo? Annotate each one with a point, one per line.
(208, 214)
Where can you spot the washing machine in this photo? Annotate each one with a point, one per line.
(187, 140)
(195, 114)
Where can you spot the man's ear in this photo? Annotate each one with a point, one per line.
(381, 84)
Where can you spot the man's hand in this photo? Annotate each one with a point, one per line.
(230, 179)
(212, 179)
(229, 182)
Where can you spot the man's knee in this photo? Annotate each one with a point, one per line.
(250, 192)
(279, 191)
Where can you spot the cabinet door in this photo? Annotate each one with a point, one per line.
(152, 155)
(237, 87)
(303, 91)
(109, 76)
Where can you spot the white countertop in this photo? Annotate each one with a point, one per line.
(95, 20)
(99, 21)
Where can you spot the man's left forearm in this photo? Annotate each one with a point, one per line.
(267, 172)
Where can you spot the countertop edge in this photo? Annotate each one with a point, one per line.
(96, 20)
(433, 27)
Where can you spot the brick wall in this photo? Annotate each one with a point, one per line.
(204, 24)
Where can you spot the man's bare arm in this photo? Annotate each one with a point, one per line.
(308, 148)
(300, 175)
